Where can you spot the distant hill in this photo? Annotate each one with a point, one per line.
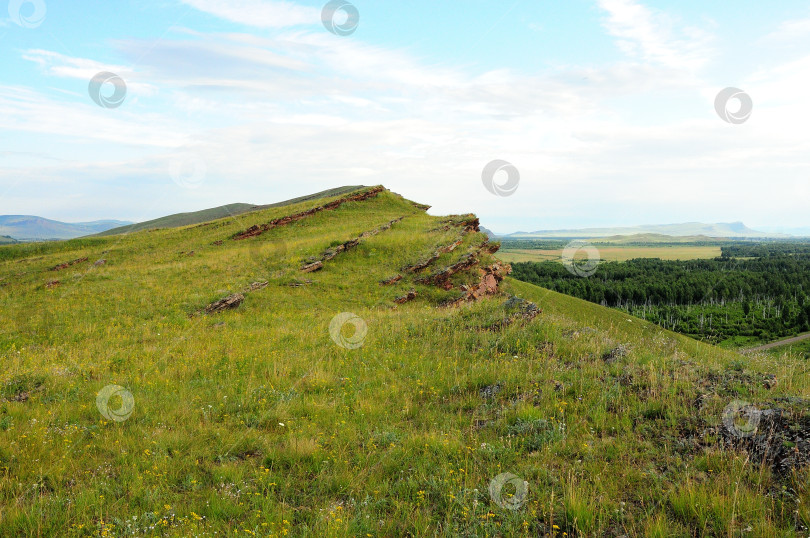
(727, 230)
(31, 228)
(657, 238)
(231, 210)
(6, 240)
(487, 231)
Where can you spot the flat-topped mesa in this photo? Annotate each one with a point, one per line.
(259, 229)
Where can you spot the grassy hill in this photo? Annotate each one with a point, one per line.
(336, 403)
(221, 212)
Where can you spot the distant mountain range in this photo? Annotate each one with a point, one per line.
(15, 228)
(687, 229)
(30, 228)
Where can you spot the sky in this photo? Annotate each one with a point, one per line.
(604, 111)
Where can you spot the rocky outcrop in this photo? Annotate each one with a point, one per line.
(469, 223)
(317, 264)
(517, 310)
(226, 303)
(424, 264)
(68, 264)
(443, 276)
(259, 229)
(491, 276)
(410, 296)
(779, 437)
(312, 267)
(256, 286)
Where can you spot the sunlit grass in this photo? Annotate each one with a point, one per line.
(254, 421)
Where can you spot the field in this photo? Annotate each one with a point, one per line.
(615, 253)
(272, 419)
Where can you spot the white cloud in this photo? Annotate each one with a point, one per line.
(275, 117)
(258, 13)
(652, 36)
(790, 31)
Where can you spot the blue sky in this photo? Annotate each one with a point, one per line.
(606, 108)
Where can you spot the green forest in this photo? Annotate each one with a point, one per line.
(755, 291)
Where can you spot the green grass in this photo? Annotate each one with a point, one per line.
(225, 211)
(254, 421)
(799, 349)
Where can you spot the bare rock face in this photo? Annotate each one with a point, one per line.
(410, 296)
(68, 264)
(491, 276)
(392, 280)
(312, 267)
(227, 303)
(256, 286)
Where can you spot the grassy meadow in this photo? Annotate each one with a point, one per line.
(256, 422)
(615, 253)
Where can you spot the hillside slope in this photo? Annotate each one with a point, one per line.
(379, 376)
(231, 210)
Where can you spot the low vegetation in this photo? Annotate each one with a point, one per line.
(758, 291)
(318, 406)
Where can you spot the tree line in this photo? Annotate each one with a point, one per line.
(765, 297)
